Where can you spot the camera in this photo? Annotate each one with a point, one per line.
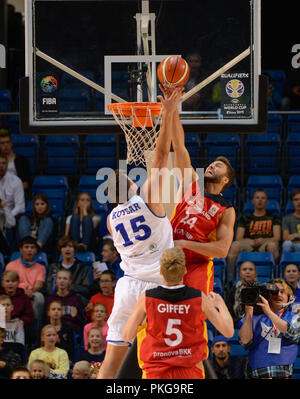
(250, 295)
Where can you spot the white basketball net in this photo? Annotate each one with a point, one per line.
(141, 139)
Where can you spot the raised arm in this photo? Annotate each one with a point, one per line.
(152, 188)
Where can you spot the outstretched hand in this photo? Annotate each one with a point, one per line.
(171, 98)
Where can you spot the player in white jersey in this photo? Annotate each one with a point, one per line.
(141, 231)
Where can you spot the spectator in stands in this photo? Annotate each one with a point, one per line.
(65, 332)
(81, 370)
(248, 278)
(22, 306)
(83, 224)
(17, 164)
(291, 275)
(9, 359)
(291, 227)
(39, 370)
(40, 225)
(56, 358)
(112, 258)
(227, 367)
(95, 351)
(106, 284)
(32, 276)
(71, 301)
(99, 317)
(271, 338)
(14, 329)
(20, 373)
(80, 271)
(259, 231)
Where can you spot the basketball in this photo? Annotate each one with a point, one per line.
(173, 71)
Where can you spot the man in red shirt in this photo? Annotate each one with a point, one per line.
(107, 282)
(203, 221)
(174, 343)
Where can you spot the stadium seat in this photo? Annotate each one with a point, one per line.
(264, 272)
(263, 153)
(231, 193)
(55, 187)
(289, 207)
(74, 100)
(272, 184)
(286, 258)
(293, 152)
(13, 124)
(61, 154)
(56, 205)
(274, 122)
(192, 143)
(88, 184)
(28, 146)
(272, 207)
(224, 144)
(101, 151)
(293, 122)
(220, 268)
(218, 286)
(258, 258)
(293, 184)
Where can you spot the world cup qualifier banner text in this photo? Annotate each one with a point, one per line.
(235, 95)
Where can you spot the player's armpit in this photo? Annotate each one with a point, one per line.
(137, 318)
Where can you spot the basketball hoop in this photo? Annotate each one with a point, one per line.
(139, 122)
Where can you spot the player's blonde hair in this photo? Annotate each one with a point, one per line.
(172, 265)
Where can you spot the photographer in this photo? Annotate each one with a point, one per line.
(271, 335)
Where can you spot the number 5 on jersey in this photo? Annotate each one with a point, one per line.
(171, 330)
(136, 227)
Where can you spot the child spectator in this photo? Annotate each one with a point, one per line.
(65, 332)
(81, 370)
(8, 358)
(14, 329)
(95, 351)
(248, 278)
(20, 373)
(291, 275)
(83, 224)
(40, 225)
(98, 316)
(32, 276)
(72, 304)
(21, 302)
(39, 370)
(80, 271)
(105, 295)
(56, 358)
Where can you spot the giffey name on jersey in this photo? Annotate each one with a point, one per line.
(173, 308)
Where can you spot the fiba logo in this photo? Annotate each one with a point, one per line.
(235, 88)
(49, 84)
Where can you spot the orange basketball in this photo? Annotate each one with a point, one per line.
(173, 71)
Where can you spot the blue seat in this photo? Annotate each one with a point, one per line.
(220, 267)
(88, 184)
(237, 350)
(62, 154)
(272, 184)
(258, 258)
(13, 124)
(192, 143)
(231, 193)
(263, 153)
(289, 207)
(55, 187)
(225, 144)
(293, 152)
(100, 209)
(264, 272)
(274, 122)
(74, 100)
(293, 184)
(272, 207)
(218, 286)
(28, 146)
(101, 151)
(293, 122)
(57, 207)
(286, 258)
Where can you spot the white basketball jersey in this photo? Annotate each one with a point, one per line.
(140, 237)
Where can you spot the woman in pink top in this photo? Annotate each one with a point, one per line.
(98, 317)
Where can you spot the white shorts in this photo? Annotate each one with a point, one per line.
(127, 292)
